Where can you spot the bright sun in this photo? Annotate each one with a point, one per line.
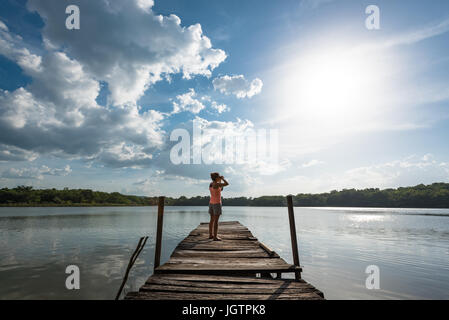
(337, 88)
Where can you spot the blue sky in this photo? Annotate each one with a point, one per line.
(95, 107)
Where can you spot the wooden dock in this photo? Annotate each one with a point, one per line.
(236, 268)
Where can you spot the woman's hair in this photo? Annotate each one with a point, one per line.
(214, 175)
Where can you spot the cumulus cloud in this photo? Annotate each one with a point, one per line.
(121, 43)
(219, 107)
(35, 173)
(190, 102)
(217, 156)
(238, 86)
(3, 26)
(11, 153)
(127, 45)
(238, 143)
(187, 102)
(66, 121)
(11, 46)
(312, 163)
(58, 113)
(409, 171)
(160, 178)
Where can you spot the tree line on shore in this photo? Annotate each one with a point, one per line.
(435, 195)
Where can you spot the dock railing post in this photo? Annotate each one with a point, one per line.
(291, 218)
(160, 216)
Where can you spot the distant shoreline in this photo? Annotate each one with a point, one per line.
(435, 196)
(80, 205)
(49, 205)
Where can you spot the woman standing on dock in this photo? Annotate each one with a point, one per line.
(215, 188)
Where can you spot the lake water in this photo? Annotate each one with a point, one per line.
(410, 247)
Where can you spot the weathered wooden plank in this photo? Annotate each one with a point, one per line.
(224, 223)
(248, 245)
(225, 270)
(213, 249)
(208, 246)
(268, 250)
(221, 254)
(220, 279)
(197, 268)
(224, 228)
(221, 262)
(219, 296)
(171, 288)
(284, 284)
(224, 236)
(229, 241)
(221, 227)
(205, 233)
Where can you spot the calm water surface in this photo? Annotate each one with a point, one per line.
(410, 246)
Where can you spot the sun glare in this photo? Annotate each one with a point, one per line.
(336, 88)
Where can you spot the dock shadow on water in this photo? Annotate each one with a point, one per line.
(335, 246)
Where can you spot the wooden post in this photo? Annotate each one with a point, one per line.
(291, 218)
(160, 216)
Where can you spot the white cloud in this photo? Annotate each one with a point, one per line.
(159, 178)
(238, 86)
(11, 153)
(34, 173)
(11, 46)
(313, 4)
(426, 32)
(211, 129)
(241, 172)
(145, 4)
(219, 107)
(124, 44)
(55, 171)
(217, 149)
(58, 114)
(311, 163)
(127, 45)
(3, 26)
(187, 102)
(410, 171)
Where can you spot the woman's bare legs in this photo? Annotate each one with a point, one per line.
(216, 238)
(211, 226)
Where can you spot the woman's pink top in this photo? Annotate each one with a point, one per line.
(215, 195)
